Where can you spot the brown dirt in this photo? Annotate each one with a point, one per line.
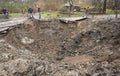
(87, 42)
(96, 39)
(83, 59)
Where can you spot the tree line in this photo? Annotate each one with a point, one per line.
(54, 5)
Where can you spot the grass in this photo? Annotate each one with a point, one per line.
(55, 14)
(15, 14)
(52, 14)
(110, 11)
(47, 14)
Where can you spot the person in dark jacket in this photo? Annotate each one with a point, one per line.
(30, 11)
(4, 11)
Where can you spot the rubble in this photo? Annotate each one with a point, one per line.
(26, 40)
(86, 48)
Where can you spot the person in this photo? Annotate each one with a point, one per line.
(86, 11)
(5, 12)
(39, 12)
(30, 11)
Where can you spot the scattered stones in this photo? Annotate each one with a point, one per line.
(27, 40)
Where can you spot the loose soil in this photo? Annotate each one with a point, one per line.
(83, 48)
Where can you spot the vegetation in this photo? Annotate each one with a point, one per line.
(15, 14)
(14, 7)
(56, 14)
(52, 7)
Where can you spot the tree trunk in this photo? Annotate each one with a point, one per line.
(116, 5)
(104, 6)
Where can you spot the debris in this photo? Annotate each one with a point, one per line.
(26, 40)
(72, 19)
(86, 48)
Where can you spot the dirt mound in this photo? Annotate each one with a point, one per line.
(52, 48)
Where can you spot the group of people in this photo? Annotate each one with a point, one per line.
(30, 11)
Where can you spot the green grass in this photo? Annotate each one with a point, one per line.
(55, 14)
(48, 14)
(15, 14)
(110, 11)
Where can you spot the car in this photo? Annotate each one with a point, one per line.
(76, 8)
(66, 7)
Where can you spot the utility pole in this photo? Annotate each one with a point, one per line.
(116, 10)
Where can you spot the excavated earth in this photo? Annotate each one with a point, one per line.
(53, 48)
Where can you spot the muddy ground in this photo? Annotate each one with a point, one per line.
(53, 48)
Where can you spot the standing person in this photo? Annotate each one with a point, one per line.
(39, 12)
(86, 11)
(30, 11)
(5, 12)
